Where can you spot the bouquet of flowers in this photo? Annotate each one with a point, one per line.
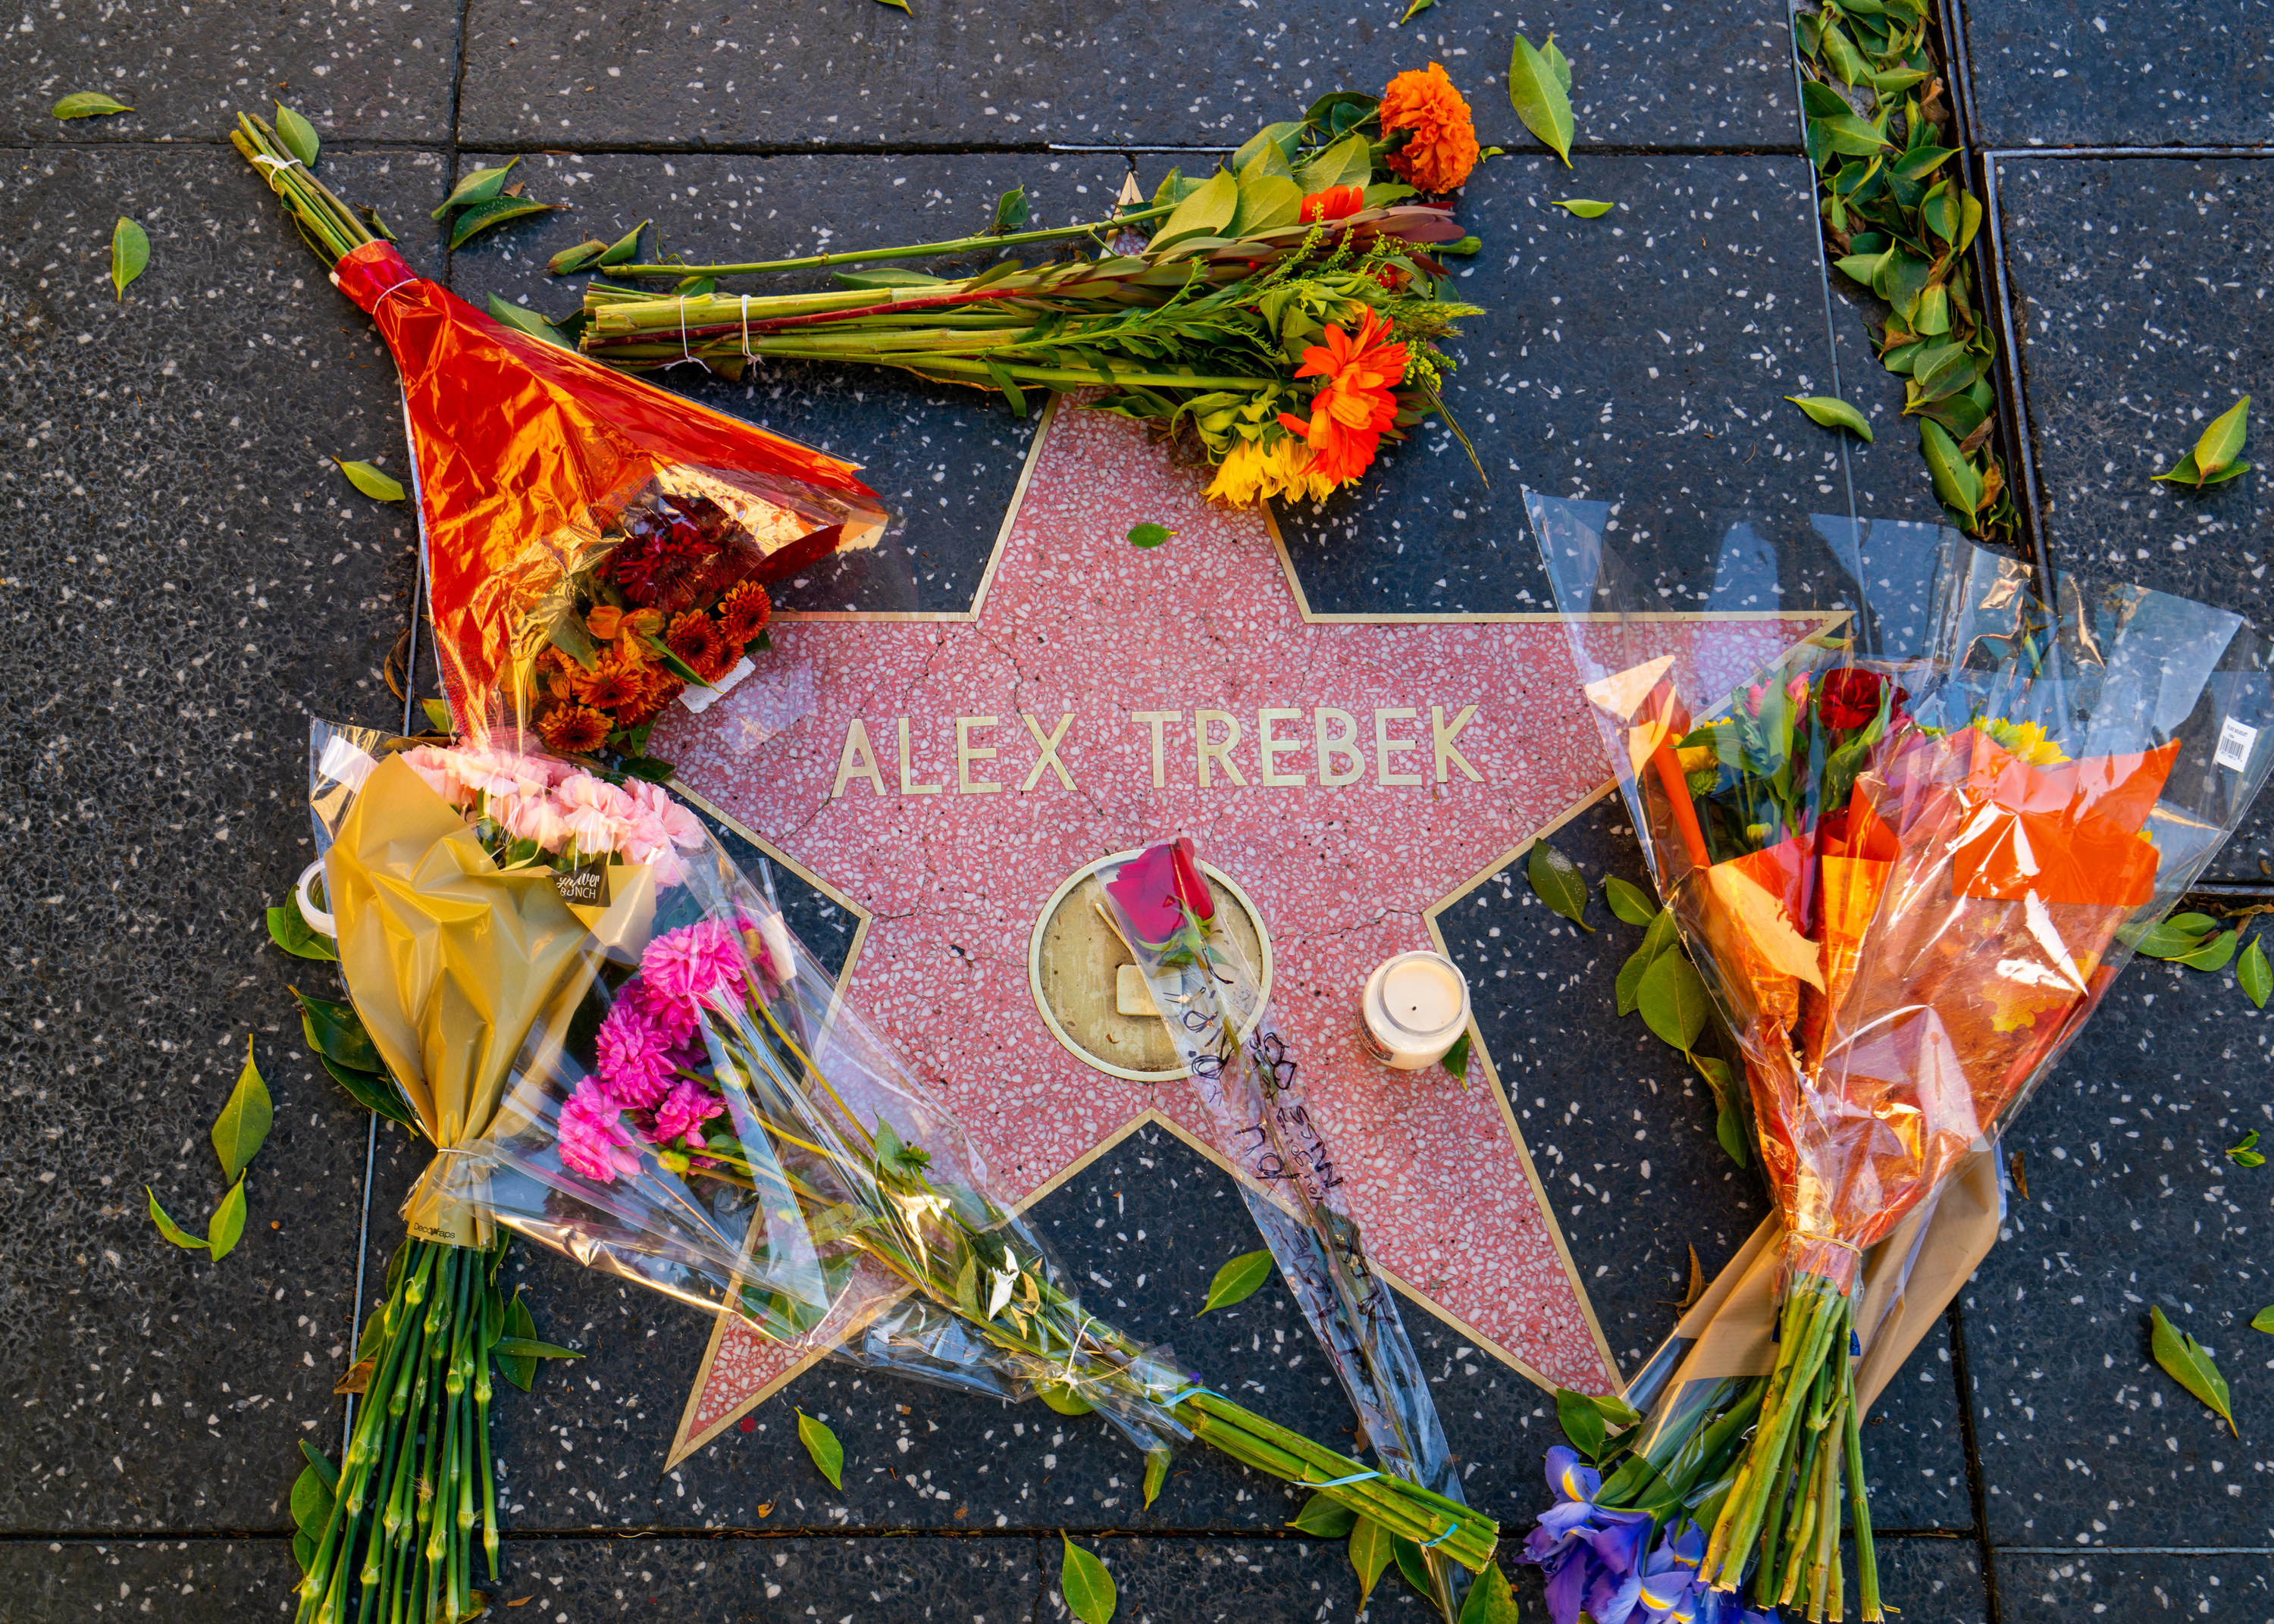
(1908, 856)
(1280, 323)
(632, 533)
(662, 1084)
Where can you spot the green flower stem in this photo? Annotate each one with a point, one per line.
(913, 250)
(329, 225)
(1859, 1507)
(1811, 1305)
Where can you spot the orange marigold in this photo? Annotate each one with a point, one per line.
(573, 729)
(1444, 148)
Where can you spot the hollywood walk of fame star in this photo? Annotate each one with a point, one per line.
(945, 775)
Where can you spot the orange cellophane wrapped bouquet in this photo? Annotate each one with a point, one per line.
(1910, 805)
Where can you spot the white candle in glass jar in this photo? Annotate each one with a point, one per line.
(1416, 1007)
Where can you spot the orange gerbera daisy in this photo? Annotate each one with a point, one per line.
(1360, 371)
(1444, 148)
(611, 686)
(1338, 454)
(694, 638)
(744, 612)
(573, 729)
(1333, 203)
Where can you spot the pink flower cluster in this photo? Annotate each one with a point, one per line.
(561, 807)
(646, 1039)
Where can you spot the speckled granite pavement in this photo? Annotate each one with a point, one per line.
(186, 580)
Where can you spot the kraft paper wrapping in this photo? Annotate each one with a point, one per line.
(452, 962)
(1733, 1321)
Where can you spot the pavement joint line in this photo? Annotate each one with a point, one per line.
(1977, 1492)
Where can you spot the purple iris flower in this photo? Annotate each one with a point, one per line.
(1594, 1554)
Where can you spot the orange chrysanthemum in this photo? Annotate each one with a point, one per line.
(613, 685)
(1444, 148)
(744, 612)
(1333, 203)
(573, 729)
(694, 637)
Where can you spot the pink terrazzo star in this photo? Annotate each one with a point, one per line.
(905, 763)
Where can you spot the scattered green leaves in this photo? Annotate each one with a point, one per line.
(1088, 1589)
(1833, 413)
(1672, 999)
(243, 1125)
(1148, 535)
(1323, 1518)
(1412, 1564)
(2252, 970)
(129, 254)
(583, 257)
(1238, 1279)
(1010, 211)
(898, 5)
(167, 1227)
(2263, 1320)
(312, 1500)
(1369, 1555)
(625, 248)
(1415, 9)
(1597, 1427)
(821, 1443)
(1558, 882)
(530, 1347)
(1630, 903)
(1456, 1061)
(2213, 462)
(2184, 1362)
(1490, 1600)
(289, 929)
(1156, 1473)
(1063, 1400)
(88, 104)
(521, 319)
(228, 1224)
(1541, 95)
(371, 482)
(438, 714)
(476, 186)
(1586, 208)
(2244, 1153)
(520, 1325)
(471, 223)
(298, 134)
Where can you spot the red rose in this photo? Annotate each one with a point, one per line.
(1157, 888)
(1849, 698)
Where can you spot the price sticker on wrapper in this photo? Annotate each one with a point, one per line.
(2236, 739)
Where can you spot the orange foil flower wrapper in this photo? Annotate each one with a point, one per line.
(534, 463)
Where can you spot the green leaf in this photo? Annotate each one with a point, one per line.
(228, 1224)
(1369, 1555)
(530, 1347)
(1586, 208)
(1148, 536)
(583, 257)
(2214, 954)
(1581, 1422)
(88, 104)
(1848, 134)
(1490, 1600)
(2176, 936)
(243, 1125)
(1456, 1060)
(898, 5)
(2222, 441)
(1846, 61)
(335, 1030)
(1629, 986)
(1000, 376)
(130, 252)
(374, 1091)
(520, 1324)
(496, 212)
(1541, 96)
(1630, 903)
(1266, 202)
(2263, 1320)
(821, 1443)
(476, 186)
(1088, 1589)
(1238, 1279)
(298, 134)
(1833, 413)
(1955, 482)
(1204, 214)
(1728, 1123)
(2184, 1362)
(625, 248)
(2253, 972)
(289, 929)
(1416, 9)
(1412, 1564)
(1156, 1473)
(1557, 63)
(371, 482)
(1558, 882)
(1672, 1000)
(1010, 211)
(2242, 1153)
(167, 1227)
(1322, 1517)
(1347, 162)
(523, 319)
(303, 1550)
(326, 1473)
(438, 714)
(311, 1500)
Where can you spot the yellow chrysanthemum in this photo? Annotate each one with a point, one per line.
(2026, 741)
(1277, 467)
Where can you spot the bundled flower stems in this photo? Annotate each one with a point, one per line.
(595, 549)
(688, 1105)
(1909, 822)
(1281, 322)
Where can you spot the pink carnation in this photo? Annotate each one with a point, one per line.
(593, 1138)
(633, 1055)
(680, 826)
(433, 766)
(684, 966)
(688, 1106)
